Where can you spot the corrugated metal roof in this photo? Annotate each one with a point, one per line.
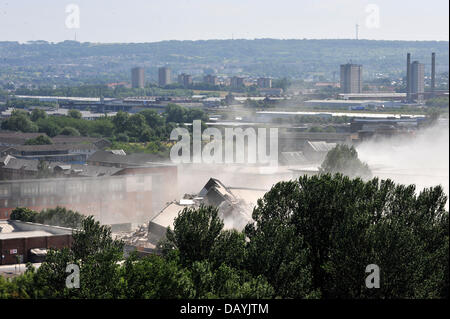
(25, 234)
(55, 147)
(321, 146)
(293, 158)
(134, 159)
(167, 216)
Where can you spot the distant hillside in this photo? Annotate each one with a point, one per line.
(70, 62)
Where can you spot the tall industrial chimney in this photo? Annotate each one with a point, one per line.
(433, 72)
(408, 77)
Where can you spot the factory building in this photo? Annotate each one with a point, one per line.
(22, 242)
(67, 149)
(69, 153)
(120, 192)
(11, 138)
(110, 199)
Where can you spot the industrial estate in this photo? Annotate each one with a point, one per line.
(87, 179)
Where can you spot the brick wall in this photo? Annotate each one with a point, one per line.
(11, 248)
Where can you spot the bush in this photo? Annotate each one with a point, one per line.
(58, 216)
(70, 131)
(23, 214)
(40, 140)
(344, 159)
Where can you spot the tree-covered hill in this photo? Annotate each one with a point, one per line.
(74, 61)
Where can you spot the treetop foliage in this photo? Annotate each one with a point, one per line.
(59, 216)
(147, 126)
(40, 140)
(344, 159)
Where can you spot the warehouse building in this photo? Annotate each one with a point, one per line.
(22, 242)
(115, 193)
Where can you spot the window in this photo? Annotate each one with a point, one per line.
(47, 188)
(115, 185)
(30, 189)
(4, 190)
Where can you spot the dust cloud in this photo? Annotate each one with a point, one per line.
(421, 160)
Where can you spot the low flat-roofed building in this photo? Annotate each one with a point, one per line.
(71, 153)
(12, 168)
(271, 91)
(100, 143)
(332, 103)
(22, 242)
(112, 158)
(112, 194)
(12, 138)
(373, 96)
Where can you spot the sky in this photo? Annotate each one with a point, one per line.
(112, 21)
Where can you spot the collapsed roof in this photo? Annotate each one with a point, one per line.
(234, 204)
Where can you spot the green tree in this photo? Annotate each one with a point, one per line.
(195, 114)
(37, 114)
(96, 253)
(74, 114)
(344, 159)
(40, 140)
(152, 118)
(136, 126)
(346, 224)
(24, 214)
(194, 235)
(276, 250)
(226, 282)
(19, 121)
(93, 238)
(59, 216)
(48, 126)
(122, 137)
(70, 131)
(175, 113)
(120, 122)
(155, 278)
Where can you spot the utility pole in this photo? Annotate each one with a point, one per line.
(357, 30)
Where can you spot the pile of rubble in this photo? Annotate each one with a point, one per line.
(235, 215)
(138, 237)
(233, 210)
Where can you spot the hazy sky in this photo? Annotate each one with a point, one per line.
(156, 20)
